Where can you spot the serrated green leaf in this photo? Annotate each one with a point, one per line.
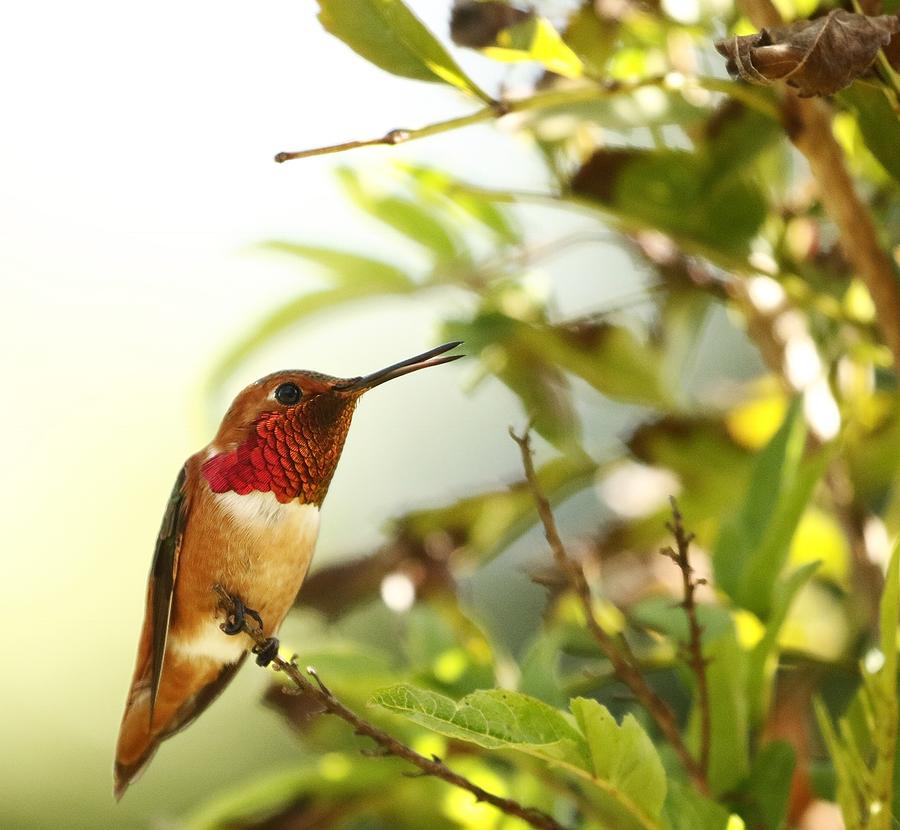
(499, 719)
(493, 719)
(622, 754)
(388, 34)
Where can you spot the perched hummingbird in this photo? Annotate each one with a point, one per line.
(244, 515)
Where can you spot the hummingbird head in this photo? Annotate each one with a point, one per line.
(285, 432)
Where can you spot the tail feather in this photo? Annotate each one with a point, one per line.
(190, 686)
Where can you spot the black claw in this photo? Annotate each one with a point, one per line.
(266, 652)
(234, 624)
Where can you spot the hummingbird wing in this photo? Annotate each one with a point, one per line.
(162, 579)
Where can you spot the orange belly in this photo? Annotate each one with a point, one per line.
(257, 549)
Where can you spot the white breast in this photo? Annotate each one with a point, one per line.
(263, 510)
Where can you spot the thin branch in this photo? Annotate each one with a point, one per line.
(808, 124)
(388, 744)
(617, 655)
(680, 555)
(492, 112)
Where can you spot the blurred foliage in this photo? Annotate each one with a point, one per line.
(789, 480)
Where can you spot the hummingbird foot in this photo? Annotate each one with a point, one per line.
(266, 652)
(236, 620)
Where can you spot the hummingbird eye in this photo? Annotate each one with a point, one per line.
(288, 394)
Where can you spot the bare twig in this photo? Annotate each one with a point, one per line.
(680, 556)
(808, 124)
(618, 655)
(498, 109)
(388, 744)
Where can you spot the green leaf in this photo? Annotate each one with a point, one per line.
(763, 658)
(627, 774)
(659, 613)
(754, 544)
(688, 810)
(612, 360)
(878, 124)
(592, 38)
(346, 268)
(535, 39)
(622, 755)
(493, 719)
(437, 187)
(515, 351)
(863, 748)
(405, 216)
(539, 674)
(735, 135)
(677, 193)
(726, 676)
(765, 795)
(268, 793)
(388, 34)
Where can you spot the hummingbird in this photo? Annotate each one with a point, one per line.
(243, 517)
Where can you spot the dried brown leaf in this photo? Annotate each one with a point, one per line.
(817, 57)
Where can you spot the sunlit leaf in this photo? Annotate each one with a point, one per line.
(493, 719)
(820, 538)
(535, 39)
(388, 34)
(623, 755)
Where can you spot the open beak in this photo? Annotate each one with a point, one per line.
(404, 367)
